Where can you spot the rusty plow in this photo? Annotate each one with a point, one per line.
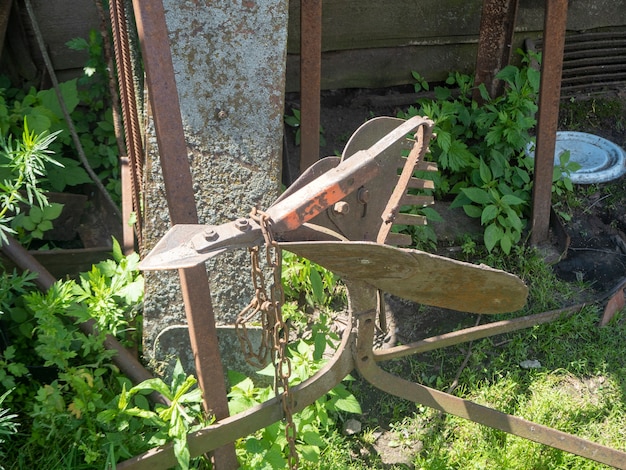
(339, 213)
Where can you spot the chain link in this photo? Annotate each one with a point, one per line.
(274, 330)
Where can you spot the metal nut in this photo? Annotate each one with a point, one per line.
(242, 224)
(341, 207)
(210, 235)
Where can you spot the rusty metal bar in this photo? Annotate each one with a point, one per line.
(310, 81)
(131, 128)
(497, 24)
(470, 334)
(548, 115)
(155, 46)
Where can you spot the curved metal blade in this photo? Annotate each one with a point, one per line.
(418, 276)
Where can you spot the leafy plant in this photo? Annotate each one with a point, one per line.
(170, 422)
(86, 99)
(268, 447)
(293, 120)
(306, 281)
(8, 425)
(36, 222)
(110, 293)
(22, 168)
(481, 150)
(71, 377)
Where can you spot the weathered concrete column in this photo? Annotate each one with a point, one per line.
(229, 61)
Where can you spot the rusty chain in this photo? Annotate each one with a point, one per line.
(274, 330)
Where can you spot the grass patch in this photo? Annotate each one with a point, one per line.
(579, 388)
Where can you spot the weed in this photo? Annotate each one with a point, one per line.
(293, 120)
(22, 167)
(268, 447)
(481, 151)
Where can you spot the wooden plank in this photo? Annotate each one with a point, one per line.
(60, 21)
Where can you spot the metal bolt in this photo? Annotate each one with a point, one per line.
(341, 207)
(242, 224)
(210, 235)
(363, 195)
(221, 114)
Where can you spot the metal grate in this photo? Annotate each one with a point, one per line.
(591, 61)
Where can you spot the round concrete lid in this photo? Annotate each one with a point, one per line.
(600, 160)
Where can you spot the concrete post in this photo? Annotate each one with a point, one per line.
(229, 62)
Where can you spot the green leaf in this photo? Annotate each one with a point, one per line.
(349, 404)
(35, 214)
(317, 285)
(52, 211)
(473, 211)
(69, 92)
(489, 213)
(492, 236)
(44, 226)
(154, 384)
(485, 172)
(431, 214)
(477, 195)
(511, 200)
(70, 174)
(505, 243)
(309, 453)
(313, 438)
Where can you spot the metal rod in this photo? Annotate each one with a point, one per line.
(470, 334)
(310, 81)
(370, 371)
(548, 115)
(497, 25)
(155, 45)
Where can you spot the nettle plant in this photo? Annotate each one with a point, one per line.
(482, 150)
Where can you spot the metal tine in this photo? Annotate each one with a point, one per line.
(418, 183)
(398, 239)
(408, 199)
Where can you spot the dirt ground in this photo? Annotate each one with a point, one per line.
(595, 243)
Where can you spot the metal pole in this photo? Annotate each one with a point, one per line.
(548, 115)
(310, 81)
(153, 35)
(497, 25)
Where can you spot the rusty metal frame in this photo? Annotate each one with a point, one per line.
(356, 353)
(310, 81)
(367, 267)
(547, 119)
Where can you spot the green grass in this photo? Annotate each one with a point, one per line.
(579, 389)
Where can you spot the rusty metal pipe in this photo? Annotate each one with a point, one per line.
(127, 363)
(310, 81)
(547, 119)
